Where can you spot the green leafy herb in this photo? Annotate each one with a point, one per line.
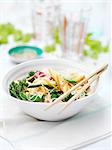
(56, 37)
(67, 98)
(38, 98)
(50, 48)
(18, 35)
(56, 40)
(93, 47)
(3, 40)
(15, 89)
(31, 73)
(55, 94)
(23, 96)
(27, 37)
(8, 29)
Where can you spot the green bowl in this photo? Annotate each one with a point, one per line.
(22, 49)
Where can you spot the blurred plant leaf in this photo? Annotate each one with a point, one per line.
(8, 29)
(94, 47)
(50, 48)
(3, 40)
(18, 35)
(27, 37)
(56, 37)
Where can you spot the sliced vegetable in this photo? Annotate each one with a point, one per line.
(71, 81)
(37, 85)
(37, 98)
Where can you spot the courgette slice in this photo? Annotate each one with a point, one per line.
(37, 85)
(71, 81)
(34, 85)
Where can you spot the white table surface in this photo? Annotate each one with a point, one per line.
(91, 125)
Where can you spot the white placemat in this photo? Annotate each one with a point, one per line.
(92, 124)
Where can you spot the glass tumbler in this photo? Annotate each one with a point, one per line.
(73, 28)
(45, 18)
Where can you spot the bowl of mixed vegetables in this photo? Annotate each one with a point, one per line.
(36, 84)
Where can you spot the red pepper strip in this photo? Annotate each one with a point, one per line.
(41, 74)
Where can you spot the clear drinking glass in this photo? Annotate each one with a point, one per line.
(45, 16)
(73, 28)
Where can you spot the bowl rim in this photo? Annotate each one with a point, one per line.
(24, 46)
(42, 60)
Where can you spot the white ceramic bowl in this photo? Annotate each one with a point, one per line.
(37, 109)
